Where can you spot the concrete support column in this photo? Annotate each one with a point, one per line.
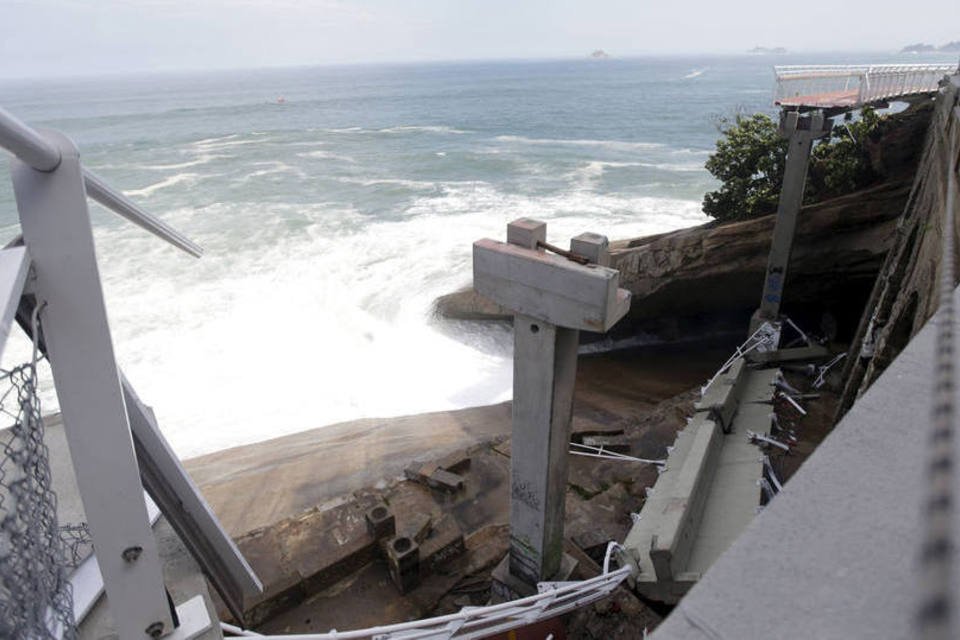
(544, 371)
(555, 296)
(801, 132)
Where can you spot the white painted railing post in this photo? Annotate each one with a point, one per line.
(56, 228)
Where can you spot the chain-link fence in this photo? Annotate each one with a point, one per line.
(35, 596)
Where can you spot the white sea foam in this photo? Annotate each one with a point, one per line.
(274, 332)
(216, 139)
(696, 73)
(320, 154)
(202, 159)
(272, 167)
(569, 213)
(681, 167)
(608, 144)
(162, 184)
(587, 175)
(423, 129)
(225, 142)
(702, 153)
(400, 182)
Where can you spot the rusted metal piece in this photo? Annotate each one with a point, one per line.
(569, 255)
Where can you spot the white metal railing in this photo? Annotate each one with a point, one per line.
(553, 599)
(114, 442)
(35, 150)
(854, 85)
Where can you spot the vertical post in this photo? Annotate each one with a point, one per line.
(56, 229)
(801, 132)
(553, 299)
(544, 371)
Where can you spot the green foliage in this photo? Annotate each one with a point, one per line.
(841, 165)
(750, 158)
(749, 162)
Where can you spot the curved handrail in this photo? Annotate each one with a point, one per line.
(32, 148)
(852, 86)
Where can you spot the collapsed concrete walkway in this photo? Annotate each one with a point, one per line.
(834, 555)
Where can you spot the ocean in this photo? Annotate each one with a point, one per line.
(336, 203)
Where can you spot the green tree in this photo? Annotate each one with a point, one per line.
(841, 165)
(749, 163)
(751, 154)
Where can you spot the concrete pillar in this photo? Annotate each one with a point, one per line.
(554, 299)
(544, 371)
(801, 132)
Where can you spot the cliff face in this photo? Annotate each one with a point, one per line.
(693, 275)
(905, 294)
(707, 279)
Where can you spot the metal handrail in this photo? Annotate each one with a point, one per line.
(123, 206)
(851, 86)
(27, 144)
(32, 148)
(851, 69)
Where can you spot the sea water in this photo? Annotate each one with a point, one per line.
(335, 204)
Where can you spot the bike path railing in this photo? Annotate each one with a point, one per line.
(852, 86)
(49, 281)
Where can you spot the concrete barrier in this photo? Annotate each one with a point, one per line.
(707, 492)
(720, 400)
(681, 512)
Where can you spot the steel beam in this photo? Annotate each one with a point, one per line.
(27, 144)
(181, 502)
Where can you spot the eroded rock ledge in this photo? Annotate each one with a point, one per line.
(708, 279)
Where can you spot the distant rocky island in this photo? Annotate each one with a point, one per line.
(922, 47)
(599, 54)
(766, 51)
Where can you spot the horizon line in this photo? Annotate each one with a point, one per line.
(185, 70)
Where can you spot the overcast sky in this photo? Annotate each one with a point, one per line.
(81, 37)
